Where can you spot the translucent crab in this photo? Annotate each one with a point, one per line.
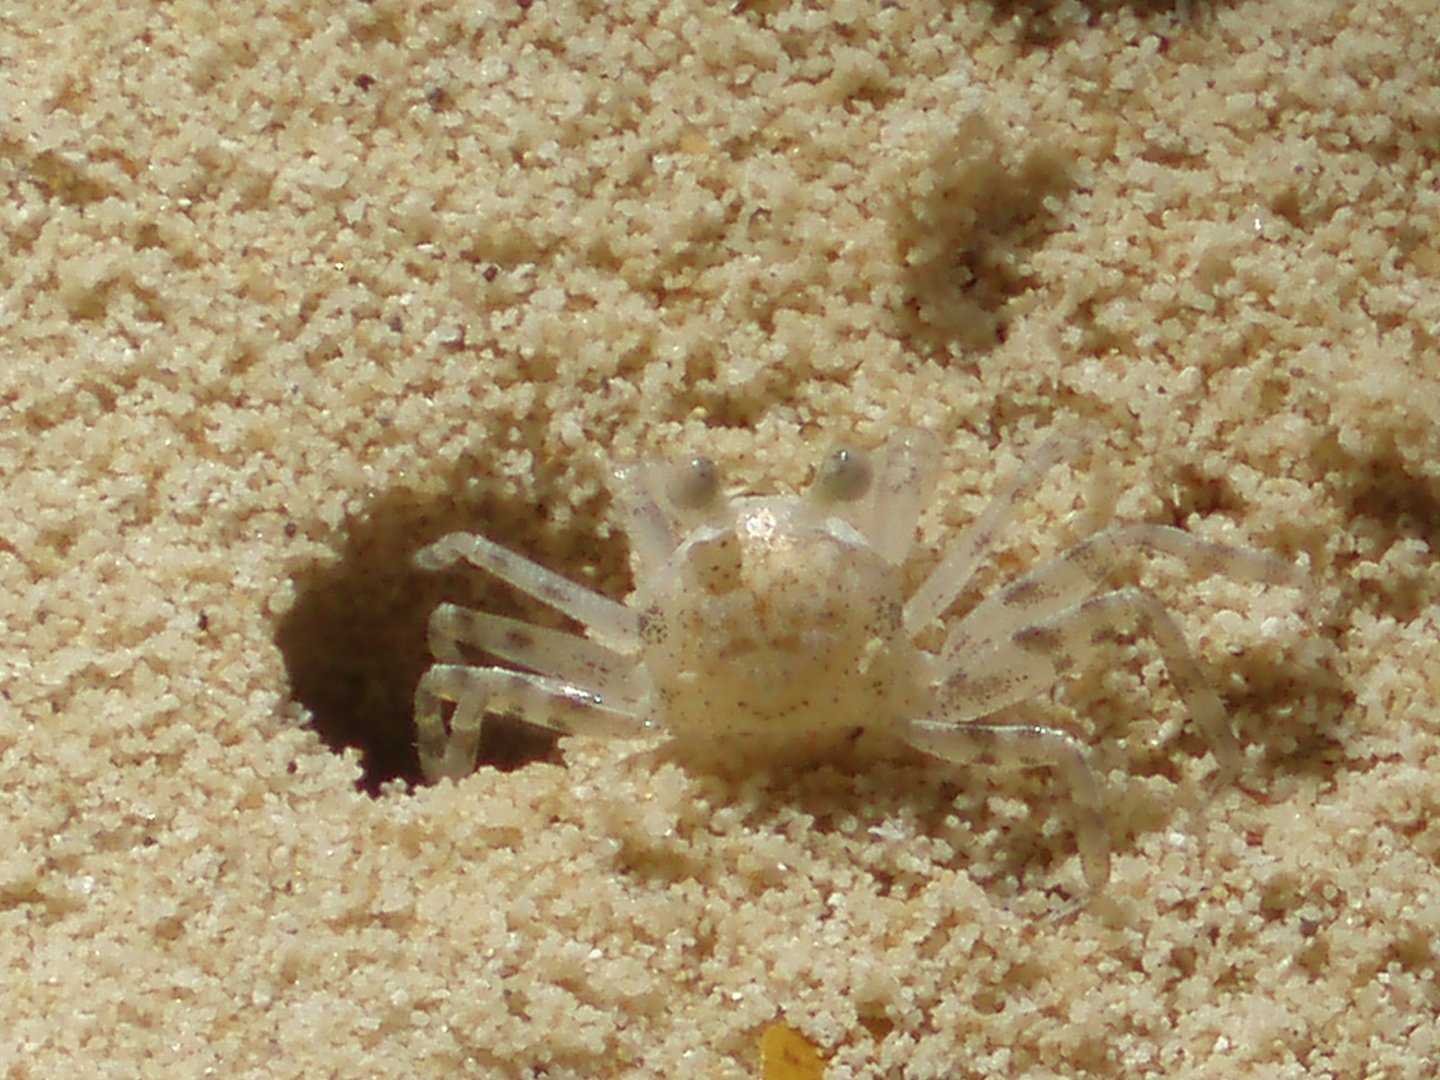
(777, 628)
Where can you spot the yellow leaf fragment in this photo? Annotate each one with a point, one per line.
(785, 1054)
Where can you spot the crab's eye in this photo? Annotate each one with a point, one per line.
(693, 484)
(843, 476)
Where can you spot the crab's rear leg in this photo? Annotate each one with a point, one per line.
(477, 692)
(949, 578)
(1031, 744)
(1067, 578)
(1003, 672)
(1033, 658)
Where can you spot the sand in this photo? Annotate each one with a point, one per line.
(290, 290)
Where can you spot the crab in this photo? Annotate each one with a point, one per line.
(772, 629)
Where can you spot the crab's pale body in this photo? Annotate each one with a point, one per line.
(778, 633)
(777, 628)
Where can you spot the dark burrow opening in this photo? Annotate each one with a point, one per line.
(354, 642)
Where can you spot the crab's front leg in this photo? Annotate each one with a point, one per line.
(612, 624)
(475, 692)
(581, 686)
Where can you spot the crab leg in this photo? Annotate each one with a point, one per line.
(610, 623)
(478, 691)
(553, 653)
(949, 578)
(1004, 672)
(1074, 573)
(1030, 744)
